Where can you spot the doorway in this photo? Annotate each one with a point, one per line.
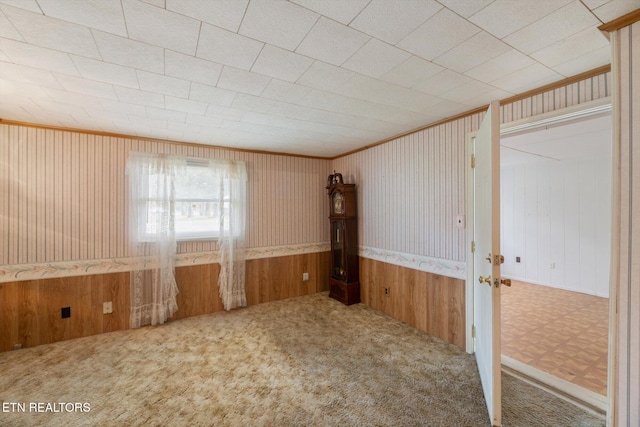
(556, 240)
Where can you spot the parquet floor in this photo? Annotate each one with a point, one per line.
(556, 331)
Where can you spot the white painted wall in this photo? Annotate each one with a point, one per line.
(556, 216)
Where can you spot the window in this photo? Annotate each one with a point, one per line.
(197, 204)
(190, 196)
(175, 198)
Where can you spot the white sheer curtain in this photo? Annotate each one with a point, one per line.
(152, 236)
(232, 215)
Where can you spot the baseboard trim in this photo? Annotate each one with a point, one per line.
(579, 396)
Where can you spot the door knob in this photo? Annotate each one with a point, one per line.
(486, 280)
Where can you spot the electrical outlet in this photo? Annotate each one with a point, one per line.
(386, 291)
(65, 312)
(107, 307)
(517, 259)
(305, 277)
(553, 265)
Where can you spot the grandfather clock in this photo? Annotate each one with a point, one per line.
(344, 280)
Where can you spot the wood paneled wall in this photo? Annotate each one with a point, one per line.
(30, 310)
(432, 303)
(556, 216)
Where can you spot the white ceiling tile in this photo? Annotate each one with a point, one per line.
(579, 44)
(466, 92)
(277, 22)
(465, 8)
(34, 56)
(14, 109)
(218, 111)
(7, 29)
(554, 27)
(57, 117)
(338, 10)
(500, 66)
(281, 64)
(157, 3)
(31, 75)
(104, 15)
(592, 4)
(325, 76)
(139, 97)
(447, 108)
(374, 115)
(580, 64)
(285, 91)
(362, 87)
(3, 56)
(504, 17)
(439, 34)
(22, 89)
(204, 120)
(392, 21)
(211, 95)
(190, 68)
(227, 48)
(614, 9)
(86, 87)
(129, 53)
(477, 49)
(122, 107)
(185, 105)
(411, 71)
(225, 14)
(271, 106)
(442, 82)
(30, 5)
(331, 42)
(160, 27)
(106, 72)
(487, 97)
(168, 115)
(242, 81)
(526, 78)
(158, 83)
(267, 106)
(52, 33)
(77, 100)
(404, 98)
(376, 58)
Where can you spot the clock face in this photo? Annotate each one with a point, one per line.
(338, 203)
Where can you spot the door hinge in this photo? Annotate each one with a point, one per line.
(473, 331)
(473, 247)
(499, 259)
(473, 161)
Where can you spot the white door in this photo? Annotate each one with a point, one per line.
(486, 267)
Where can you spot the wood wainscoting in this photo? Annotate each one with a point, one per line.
(432, 303)
(30, 311)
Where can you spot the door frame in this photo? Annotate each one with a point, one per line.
(553, 117)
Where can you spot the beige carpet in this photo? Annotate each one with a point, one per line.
(307, 361)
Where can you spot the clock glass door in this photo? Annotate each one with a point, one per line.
(337, 240)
